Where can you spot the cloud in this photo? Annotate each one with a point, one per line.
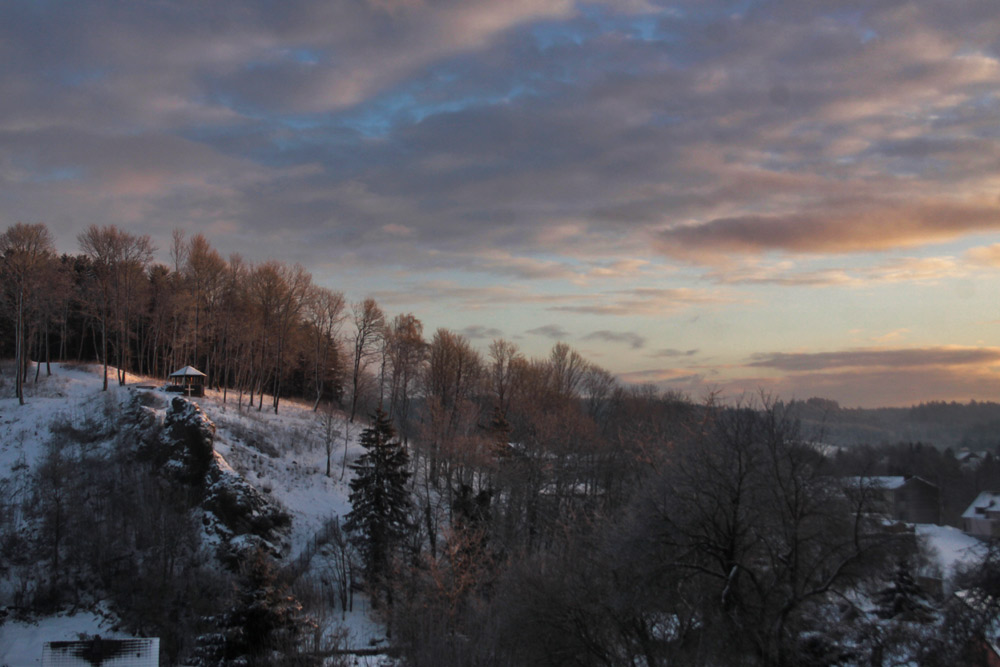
(643, 301)
(865, 230)
(988, 256)
(671, 353)
(877, 358)
(618, 269)
(787, 273)
(668, 378)
(633, 340)
(553, 331)
(473, 298)
(895, 334)
(478, 331)
(572, 141)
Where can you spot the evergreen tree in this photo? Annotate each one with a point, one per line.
(380, 502)
(904, 598)
(261, 628)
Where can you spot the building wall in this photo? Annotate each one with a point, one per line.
(982, 527)
(918, 502)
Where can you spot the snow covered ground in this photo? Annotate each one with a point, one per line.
(283, 455)
(950, 546)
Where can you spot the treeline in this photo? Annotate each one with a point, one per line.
(257, 328)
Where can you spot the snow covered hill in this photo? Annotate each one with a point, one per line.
(284, 456)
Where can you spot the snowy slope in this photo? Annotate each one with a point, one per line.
(282, 455)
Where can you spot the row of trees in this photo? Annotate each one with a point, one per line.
(254, 328)
(257, 328)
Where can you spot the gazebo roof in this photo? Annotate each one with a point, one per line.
(187, 371)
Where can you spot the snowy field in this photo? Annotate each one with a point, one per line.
(283, 455)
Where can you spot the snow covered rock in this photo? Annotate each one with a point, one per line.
(236, 516)
(189, 436)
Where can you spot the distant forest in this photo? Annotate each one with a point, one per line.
(540, 511)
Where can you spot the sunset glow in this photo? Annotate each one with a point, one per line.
(710, 196)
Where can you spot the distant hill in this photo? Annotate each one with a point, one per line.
(975, 425)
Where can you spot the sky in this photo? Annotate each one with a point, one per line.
(794, 196)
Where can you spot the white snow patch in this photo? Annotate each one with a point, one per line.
(951, 546)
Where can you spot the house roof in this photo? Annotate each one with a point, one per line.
(187, 371)
(890, 483)
(987, 500)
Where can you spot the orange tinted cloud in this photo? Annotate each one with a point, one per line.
(985, 255)
(879, 228)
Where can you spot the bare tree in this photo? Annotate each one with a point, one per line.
(205, 271)
(568, 370)
(235, 340)
(25, 250)
(324, 313)
(598, 386)
(752, 535)
(278, 293)
(369, 327)
(52, 307)
(119, 260)
(504, 357)
(406, 351)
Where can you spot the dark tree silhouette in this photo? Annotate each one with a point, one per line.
(380, 501)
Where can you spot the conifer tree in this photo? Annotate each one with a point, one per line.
(380, 501)
(903, 598)
(261, 628)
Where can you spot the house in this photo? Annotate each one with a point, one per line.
(980, 603)
(188, 380)
(982, 517)
(911, 499)
(970, 460)
(97, 652)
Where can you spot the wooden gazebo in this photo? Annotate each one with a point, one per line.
(188, 380)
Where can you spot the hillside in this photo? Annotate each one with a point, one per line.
(283, 457)
(975, 425)
(137, 512)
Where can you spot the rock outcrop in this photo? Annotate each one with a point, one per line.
(237, 517)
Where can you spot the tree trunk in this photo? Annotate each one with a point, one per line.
(38, 347)
(19, 348)
(104, 343)
(48, 361)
